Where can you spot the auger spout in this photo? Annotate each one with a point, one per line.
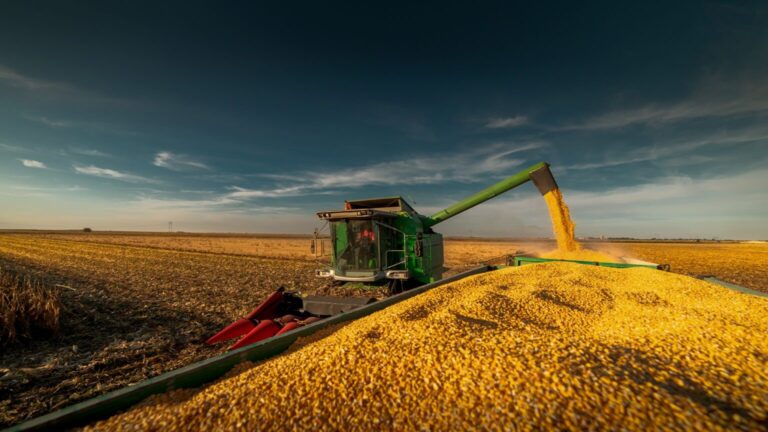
(539, 174)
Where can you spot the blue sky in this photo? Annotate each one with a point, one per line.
(250, 117)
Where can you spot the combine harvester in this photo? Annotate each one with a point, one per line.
(375, 241)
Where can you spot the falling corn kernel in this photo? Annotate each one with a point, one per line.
(562, 224)
(565, 232)
(538, 347)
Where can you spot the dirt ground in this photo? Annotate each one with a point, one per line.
(136, 306)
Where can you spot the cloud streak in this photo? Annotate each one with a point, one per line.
(177, 162)
(62, 92)
(466, 166)
(15, 79)
(12, 148)
(30, 163)
(715, 98)
(665, 150)
(506, 122)
(151, 203)
(89, 152)
(462, 167)
(52, 123)
(111, 174)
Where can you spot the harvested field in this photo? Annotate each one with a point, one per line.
(740, 263)
(555, 346)
(128, 314)
(468, 253)
(263, 246)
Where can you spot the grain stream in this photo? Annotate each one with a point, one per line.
(565, 232)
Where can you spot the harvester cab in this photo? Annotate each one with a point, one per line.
(372, 241)
(382, 240)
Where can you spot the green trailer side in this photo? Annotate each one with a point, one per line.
(518, 261)
(734, 287)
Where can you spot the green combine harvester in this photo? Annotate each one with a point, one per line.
(385, 239)
(373, 241)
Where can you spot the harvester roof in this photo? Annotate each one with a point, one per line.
(385, 207)
(391, 204)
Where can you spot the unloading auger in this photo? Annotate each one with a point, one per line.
(373, 241)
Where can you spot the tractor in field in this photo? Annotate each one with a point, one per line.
(372, 241)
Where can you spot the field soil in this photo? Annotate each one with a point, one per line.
(135, 306)
(255, 245)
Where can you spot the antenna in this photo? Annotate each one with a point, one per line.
(170, 226)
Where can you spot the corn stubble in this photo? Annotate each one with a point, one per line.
(554, 345)
(26, 306)
(131, 313)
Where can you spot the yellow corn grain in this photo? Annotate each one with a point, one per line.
(565, 232)
(562, 224)
(538, 347)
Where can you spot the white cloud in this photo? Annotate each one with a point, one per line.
(29, 163)
(111, 174)
(177, 162)
(506, 122)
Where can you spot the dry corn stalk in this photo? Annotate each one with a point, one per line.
(26, 305)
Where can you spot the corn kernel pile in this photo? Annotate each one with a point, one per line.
(538, 347)
(565, 232)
